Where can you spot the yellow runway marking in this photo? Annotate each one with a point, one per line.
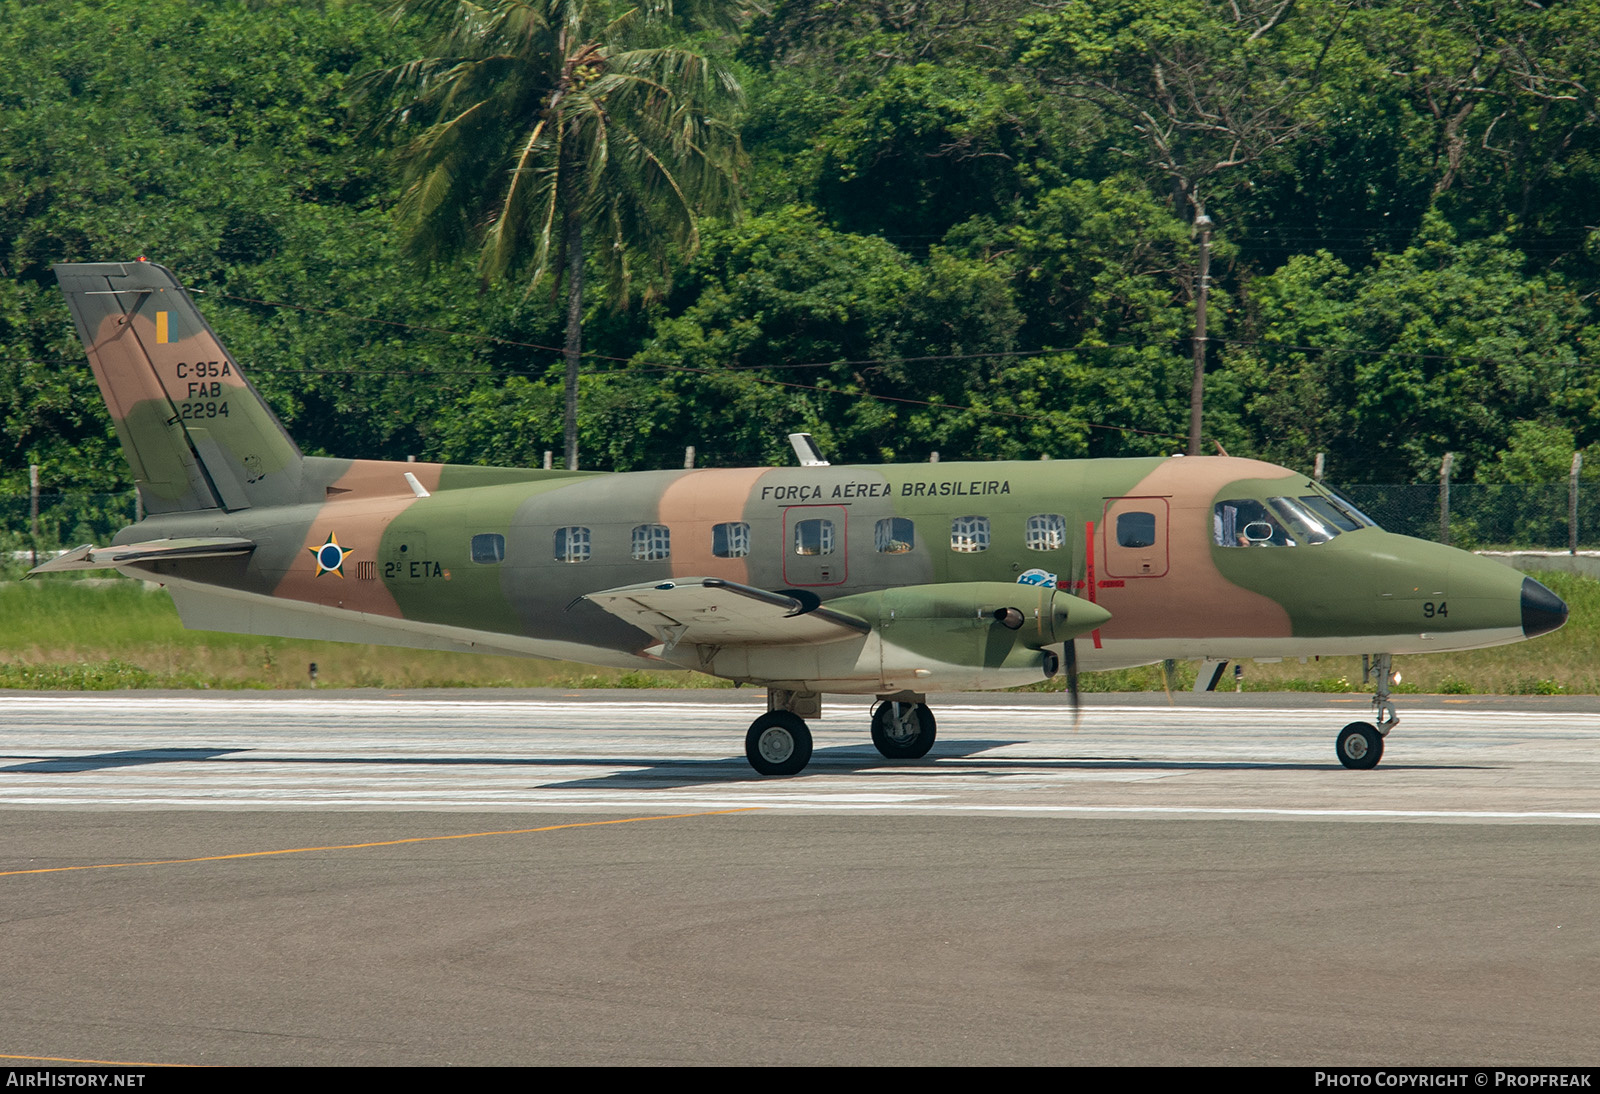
(379, 843)
(100, 1063)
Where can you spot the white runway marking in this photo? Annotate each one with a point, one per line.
(1482, 765)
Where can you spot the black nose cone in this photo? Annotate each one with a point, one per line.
(1542, 610)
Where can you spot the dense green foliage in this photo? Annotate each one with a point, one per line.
(965, 230)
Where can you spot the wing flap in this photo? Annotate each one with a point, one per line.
(711, 611)
(90, 557)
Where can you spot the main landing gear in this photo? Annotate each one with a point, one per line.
(779, 742)
(903, 730)
(1360, 744)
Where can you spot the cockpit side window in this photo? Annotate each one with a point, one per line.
(1246, 522)
(1281, 522)
(1303, 524)
(1345, 506)
(1330, 513)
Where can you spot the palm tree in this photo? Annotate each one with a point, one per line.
(561, 130)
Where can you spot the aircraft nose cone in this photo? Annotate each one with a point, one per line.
(1542, 610)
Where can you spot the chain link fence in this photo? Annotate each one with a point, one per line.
(1528, 516)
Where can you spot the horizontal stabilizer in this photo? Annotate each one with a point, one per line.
(89, 557)
(711, 611)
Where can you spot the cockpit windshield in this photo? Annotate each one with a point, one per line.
(1285, 521)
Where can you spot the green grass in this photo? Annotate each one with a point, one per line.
(100, 635)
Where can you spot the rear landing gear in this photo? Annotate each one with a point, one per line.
(902, 730)
(1360, 744)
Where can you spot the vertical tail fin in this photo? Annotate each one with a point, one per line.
(195, 431)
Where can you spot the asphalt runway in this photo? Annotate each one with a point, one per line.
(471, 878)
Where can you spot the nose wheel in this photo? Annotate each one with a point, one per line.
(1360, 744)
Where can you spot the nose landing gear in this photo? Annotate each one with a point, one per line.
(1360, 744)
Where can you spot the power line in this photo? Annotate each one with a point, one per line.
(1406, 353)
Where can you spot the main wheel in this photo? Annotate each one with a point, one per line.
(778, 743)
(903, 731)
(1360, 746)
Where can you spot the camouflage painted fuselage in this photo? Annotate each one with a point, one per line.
(501, 560)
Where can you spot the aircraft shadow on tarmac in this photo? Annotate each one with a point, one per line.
(132, 758)
(955, 757)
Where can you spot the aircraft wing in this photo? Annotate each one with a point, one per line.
(89, 557)
(711, 611)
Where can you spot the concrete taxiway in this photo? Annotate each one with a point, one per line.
(600, 878)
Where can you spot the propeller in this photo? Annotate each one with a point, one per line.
(1169, 673)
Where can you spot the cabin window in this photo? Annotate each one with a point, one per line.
(488, 548)
(813, 537)
(572, 544)
(894, 536)
(1136, 529)
(652, 542)
(1047, 532)
(969, 535)
(730, 540)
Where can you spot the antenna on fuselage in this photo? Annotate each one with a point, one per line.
(806, 450)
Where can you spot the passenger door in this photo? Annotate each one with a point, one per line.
(1135, 540)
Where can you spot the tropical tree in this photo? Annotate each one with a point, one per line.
(559, 131)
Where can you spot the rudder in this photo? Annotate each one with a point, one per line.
(194, 430)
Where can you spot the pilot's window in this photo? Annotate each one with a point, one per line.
(894, 536)
(652, 542)
(572, 544)
(813, 537)
(1245, 522)
(969, 535)
(1047, 532)
(1136, 529)
(1301, 522)
(489, 547)
(1345, 505)
(1331, 514)
(730, 540)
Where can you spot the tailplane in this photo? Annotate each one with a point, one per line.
(195, 431)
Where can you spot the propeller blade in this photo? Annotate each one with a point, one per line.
(1071, 659)
(1169, 673)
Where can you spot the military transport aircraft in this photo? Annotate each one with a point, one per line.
(893, 581)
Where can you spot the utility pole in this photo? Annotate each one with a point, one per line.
(1197, 391)
(1444, 496)
(33, 510)
(1572, 503)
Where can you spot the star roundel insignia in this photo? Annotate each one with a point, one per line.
(330, 556)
